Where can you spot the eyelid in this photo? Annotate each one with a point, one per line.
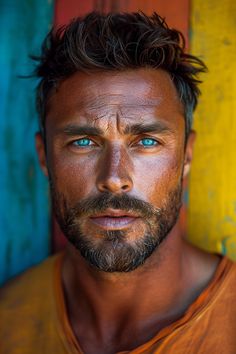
(136, 142)
(154, 140)
(138, 139)
(82, 138)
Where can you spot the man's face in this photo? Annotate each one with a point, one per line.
(115, 159)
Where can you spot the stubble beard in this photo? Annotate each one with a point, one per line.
(111, 252)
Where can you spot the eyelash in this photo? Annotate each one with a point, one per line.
(155, 142)
(74, 142)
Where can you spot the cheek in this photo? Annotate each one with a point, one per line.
(156, 177)
(72, 177)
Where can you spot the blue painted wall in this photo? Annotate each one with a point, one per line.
(24, 202)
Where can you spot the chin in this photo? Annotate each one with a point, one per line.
(116, 250)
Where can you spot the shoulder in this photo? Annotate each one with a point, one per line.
(228, 274)
(220, 294)
(28, 309)
(29, 286)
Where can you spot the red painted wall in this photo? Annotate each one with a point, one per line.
(176, 12)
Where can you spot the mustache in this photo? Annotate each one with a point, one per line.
(98, 204)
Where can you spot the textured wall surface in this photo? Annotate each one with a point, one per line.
(24, 217)
(24, 211)
(176, 12)
(212, 202)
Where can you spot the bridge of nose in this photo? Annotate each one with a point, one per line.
(115, 169)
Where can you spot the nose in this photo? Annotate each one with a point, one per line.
(115, 169)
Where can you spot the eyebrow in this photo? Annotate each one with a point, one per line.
(135, 129)
(72, 129)
(142, 128)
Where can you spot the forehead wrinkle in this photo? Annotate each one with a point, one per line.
(106, 109)
(115, 115)
(114, 110)
(99, 101)
(114, 123)
(119, 125)
(117, 121)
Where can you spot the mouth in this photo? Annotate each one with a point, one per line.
(113, 219)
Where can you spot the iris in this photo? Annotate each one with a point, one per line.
(82, 142)
(148, 142)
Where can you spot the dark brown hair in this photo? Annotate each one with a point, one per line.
(117, 41)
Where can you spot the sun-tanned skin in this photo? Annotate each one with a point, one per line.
(111, 312)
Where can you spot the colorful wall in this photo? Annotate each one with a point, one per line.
(24, 207)
(26, 235)
(212, 199)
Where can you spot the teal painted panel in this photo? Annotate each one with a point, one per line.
(24, 202)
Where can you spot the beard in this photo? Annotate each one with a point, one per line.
(114, 250)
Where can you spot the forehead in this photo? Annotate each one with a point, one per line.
(128, 95)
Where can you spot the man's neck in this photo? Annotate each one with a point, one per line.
(111, 305)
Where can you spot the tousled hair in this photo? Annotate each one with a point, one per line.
(115, 42)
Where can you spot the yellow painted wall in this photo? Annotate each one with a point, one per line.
(212, 203)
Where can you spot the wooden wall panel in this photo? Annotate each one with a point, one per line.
(24, 216)
(212, 207)
(176, 13)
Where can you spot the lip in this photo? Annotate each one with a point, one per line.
(113, 219)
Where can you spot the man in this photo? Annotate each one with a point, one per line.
(116, 98)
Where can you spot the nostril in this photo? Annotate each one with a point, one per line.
(125, 187)
(105, 188)
(114, 185)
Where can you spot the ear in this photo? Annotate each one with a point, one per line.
(189, 152)
(40, 147)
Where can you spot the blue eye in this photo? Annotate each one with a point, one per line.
(82, 142)
(148, 142)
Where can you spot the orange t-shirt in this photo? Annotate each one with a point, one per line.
(33, 318)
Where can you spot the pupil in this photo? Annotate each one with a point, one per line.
(84, 142)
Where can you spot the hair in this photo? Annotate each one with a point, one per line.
(116, 42)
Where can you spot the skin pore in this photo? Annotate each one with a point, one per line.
(122, 133)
